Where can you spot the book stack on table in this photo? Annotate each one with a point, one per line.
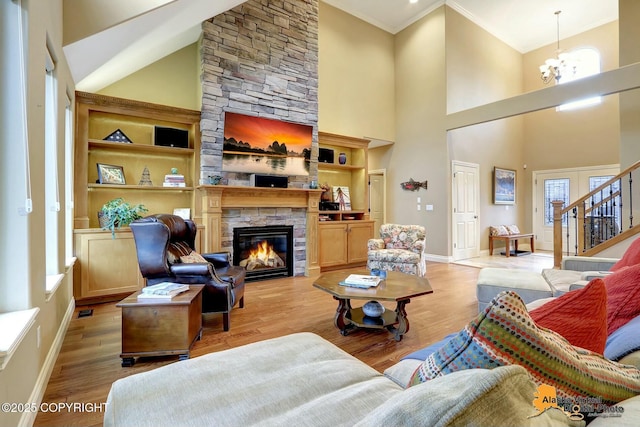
(163, 290)
(361, 281)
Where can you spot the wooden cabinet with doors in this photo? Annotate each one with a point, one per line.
(121, 134)
(344, 243)
(343, 234)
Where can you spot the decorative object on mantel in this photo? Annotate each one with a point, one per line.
(117, 136)
(326, 192)
(145, 180)
(214, 179)
(562, 64)
(117, 213)
(412, 185)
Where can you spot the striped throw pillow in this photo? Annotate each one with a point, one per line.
(504, 334)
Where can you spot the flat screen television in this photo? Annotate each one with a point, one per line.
(265, 146)
(325, 155)
(171, 137)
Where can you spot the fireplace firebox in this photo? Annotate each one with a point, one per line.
(266, 252)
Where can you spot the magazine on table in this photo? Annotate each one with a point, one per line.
(163, 290)
(361, 281)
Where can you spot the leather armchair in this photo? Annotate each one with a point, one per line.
(160, 242)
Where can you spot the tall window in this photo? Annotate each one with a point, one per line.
(68, 153)
(588, 64)
(52, 195)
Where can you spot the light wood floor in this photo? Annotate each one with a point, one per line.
(89, 359)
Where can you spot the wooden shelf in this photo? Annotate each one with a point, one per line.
(136, 187)
(333, 216)
(343, 235)
(338, 167)
(138, 148)
(96, 250)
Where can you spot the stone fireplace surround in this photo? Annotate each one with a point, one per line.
(260, 58)
(225, 207)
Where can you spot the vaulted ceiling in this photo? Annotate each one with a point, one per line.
(106, 40)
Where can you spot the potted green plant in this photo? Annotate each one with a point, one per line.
(117, 213)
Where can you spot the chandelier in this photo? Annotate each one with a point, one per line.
(555, 68)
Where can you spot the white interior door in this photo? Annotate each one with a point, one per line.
(566, 185)
(377, 199)
(466, 190)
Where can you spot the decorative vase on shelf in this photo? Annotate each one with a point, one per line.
(342, 158)
(373, 309)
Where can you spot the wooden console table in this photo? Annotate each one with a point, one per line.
(160, 327)
(508, 238)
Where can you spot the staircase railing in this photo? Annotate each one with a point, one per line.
(586, 225)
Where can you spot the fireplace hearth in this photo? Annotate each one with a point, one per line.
(266, 252)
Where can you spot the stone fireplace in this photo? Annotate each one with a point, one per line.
(260, 59)
(227, 207)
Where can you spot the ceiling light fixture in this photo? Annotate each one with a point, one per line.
(413, 1)
(555, 68)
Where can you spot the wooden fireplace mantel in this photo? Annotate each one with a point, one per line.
(212, 199)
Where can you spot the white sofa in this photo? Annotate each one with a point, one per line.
(303, 380)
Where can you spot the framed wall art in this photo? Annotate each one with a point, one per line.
(504, 186)
(110, 174)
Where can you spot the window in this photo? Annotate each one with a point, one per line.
(555, 189)
(15, 199)
(587, 64)
(68, 153)
(52, 194)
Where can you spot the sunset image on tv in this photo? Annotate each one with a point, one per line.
(265, 146)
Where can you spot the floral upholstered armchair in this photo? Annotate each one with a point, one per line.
(399, 248)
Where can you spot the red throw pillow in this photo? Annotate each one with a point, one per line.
(580, 316)
(623, 296)
(630, 257)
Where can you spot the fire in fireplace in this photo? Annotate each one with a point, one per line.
(266, 252)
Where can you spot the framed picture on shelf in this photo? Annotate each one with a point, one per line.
(342, 197)
(110, 174)
(504, 186)
(184, 213)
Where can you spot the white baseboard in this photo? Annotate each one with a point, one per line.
(438, 258)
(28, 418)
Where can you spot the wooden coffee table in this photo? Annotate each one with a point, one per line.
(160, 327)
(398, 287)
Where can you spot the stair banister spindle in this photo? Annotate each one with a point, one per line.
(575, 222)
(630, 200)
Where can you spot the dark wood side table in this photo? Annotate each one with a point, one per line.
(160, 327)
(398, 287)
